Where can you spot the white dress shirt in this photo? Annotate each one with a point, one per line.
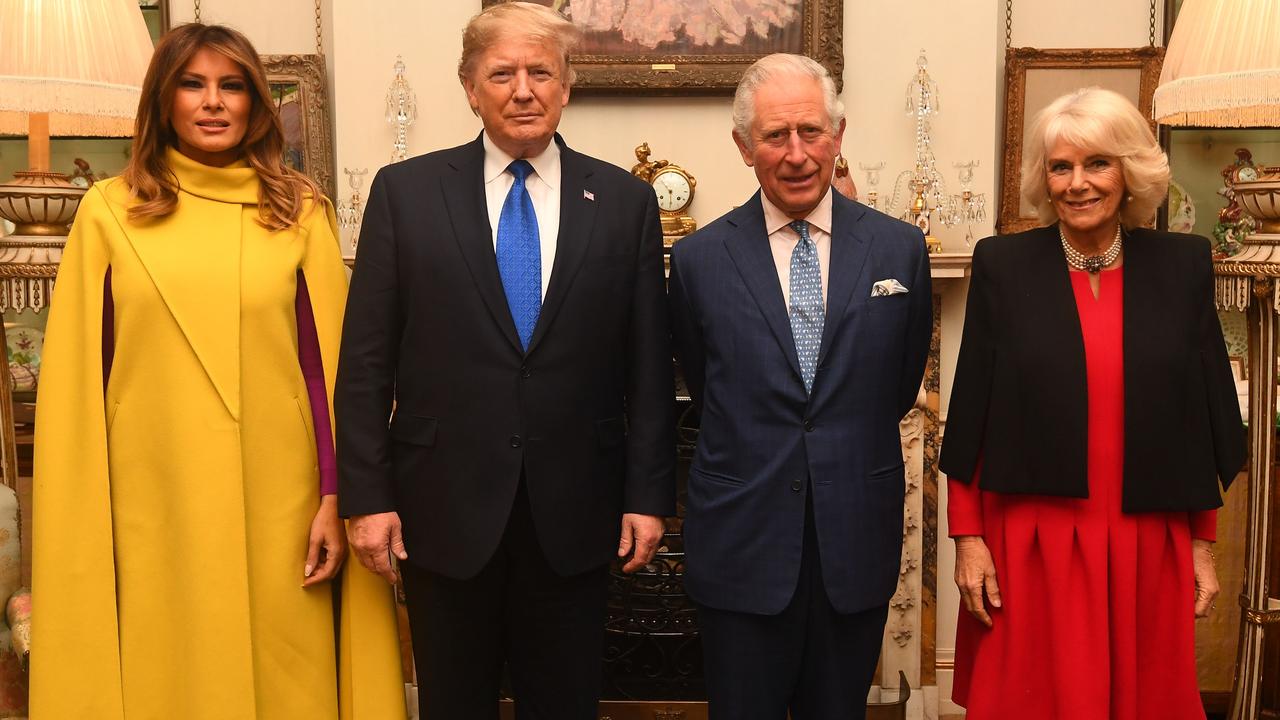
(782, 241)
(543, 185)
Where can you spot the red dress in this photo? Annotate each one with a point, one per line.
(1098, 619)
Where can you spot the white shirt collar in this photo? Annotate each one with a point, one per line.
(546, 164)
(819, 217)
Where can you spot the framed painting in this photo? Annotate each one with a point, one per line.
(694, 47)
(1034, 78)
(156, 14)
(298, 89)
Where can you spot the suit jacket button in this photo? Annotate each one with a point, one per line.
(525, 372)
(808, 426)
(515, 441)
(796, 486)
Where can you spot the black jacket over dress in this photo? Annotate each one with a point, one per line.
(1019, 400)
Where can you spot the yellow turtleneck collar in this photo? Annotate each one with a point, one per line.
(235, 183)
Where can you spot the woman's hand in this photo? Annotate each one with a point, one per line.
(1207, 588)
(975, 572)
(327, 544)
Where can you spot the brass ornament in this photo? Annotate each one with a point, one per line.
(673, 204)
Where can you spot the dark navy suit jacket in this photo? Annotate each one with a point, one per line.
(763, 445)
(584, 416)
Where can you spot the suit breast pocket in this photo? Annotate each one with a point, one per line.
(887, 303)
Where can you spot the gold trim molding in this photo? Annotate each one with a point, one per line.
(308, 72)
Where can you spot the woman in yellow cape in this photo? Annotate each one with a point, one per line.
(185, 529)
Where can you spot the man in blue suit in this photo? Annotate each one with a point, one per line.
(802, 323)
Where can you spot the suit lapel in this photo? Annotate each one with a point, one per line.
(850, 245)
(193, 259)
(1143, 308)
(749, 250)
(1047, 275)
(469, 215)
(577, 217)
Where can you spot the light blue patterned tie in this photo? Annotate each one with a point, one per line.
(520, 254)
(807, 313)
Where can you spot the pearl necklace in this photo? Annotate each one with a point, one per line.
(1091, 263)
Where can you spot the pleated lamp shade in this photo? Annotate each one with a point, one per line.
(81, 61)
(1222, 66)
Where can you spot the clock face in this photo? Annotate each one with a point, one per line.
(1247, 174)
(674, 193)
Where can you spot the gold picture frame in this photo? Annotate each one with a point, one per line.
(1035, 77)
(8, 437)
(298, 87)
(611, 64)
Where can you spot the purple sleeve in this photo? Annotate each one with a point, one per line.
(108, 329)
(313, 373)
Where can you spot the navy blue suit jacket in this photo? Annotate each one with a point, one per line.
(763, 444)
(584, 416)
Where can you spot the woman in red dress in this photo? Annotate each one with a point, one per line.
(1092, 419)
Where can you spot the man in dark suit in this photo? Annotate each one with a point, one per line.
(507, 302)
(802, 324)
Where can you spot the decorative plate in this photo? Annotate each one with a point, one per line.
(24, 347)
(1182, 209)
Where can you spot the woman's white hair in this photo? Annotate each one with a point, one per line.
(1099, 122)
(769, 67)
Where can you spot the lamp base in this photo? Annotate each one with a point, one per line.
(1261, 198)
(40, 203)
(28, 267)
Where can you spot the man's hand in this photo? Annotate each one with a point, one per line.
(326, 546)
(373, 539)
(642, 534)
(1206, 575)
(975, 572)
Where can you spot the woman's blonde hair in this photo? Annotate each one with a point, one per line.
(1105, 123)
(283, 190)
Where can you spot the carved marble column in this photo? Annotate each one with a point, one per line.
(910, 641)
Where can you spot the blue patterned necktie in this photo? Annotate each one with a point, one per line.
(807, 313)
(520, 254)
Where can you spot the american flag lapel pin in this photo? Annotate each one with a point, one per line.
(588, 195)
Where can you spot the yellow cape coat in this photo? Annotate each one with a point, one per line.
(172, 513)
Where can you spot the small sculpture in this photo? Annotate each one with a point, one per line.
(646, 169)
(84, 176)
(1233, 222)
(842, 182)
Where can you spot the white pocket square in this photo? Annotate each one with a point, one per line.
(887, 287)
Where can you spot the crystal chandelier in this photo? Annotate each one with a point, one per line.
(402, 111)
(920, 194)
(351, 212)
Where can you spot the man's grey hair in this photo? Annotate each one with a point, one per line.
(780, 65)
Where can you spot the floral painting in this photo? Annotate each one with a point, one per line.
(686, 26)
(694, 46)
